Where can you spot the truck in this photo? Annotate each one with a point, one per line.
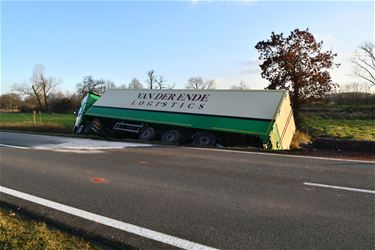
(260, 118)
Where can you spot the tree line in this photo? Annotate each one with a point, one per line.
(297, 63)
(41, 93)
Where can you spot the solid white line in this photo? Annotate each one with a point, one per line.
(12, 146)
(144, 232)
(338, 187)
(282, 155)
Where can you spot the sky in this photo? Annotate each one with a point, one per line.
(122, 40)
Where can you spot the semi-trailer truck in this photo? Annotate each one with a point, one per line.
(261, 118)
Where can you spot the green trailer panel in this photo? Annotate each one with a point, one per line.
(225, 124)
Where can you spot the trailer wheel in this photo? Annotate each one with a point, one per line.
(171, 137)
(147, 134)
(204, 139)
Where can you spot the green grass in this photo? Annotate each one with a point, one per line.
(51, 122)
(357, 129)
(18, 232)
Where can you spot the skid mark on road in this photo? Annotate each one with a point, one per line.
(123, 226)
(340, 188)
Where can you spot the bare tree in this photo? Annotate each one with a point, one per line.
(27, 91)
(89, 84)
(210, 84)
(41, 87)
(161, 82)
(364, 62)
(151, 79)
(135, 84)
(198, 83)
(241, 86)
(155, 81)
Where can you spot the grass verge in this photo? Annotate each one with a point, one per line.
(356, 129)
(18, 232)
(47, 123)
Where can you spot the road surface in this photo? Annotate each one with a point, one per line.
(203, 197)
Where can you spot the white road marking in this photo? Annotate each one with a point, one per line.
(282, 155)
(76, 151)
(12, 146)
(130, 228)
(341, 188)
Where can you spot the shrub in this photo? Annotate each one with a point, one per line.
(299, 138)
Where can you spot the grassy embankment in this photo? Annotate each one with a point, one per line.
(47, 123)
(16, 232)
(348, 122)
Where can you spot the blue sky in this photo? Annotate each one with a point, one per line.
(119, 40)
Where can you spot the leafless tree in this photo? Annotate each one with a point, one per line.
(41, 87)
(241, 86)
(155, 81)
(161, 82)
(26, 90)
(89, 84)
(198, 83)
(135, 84)
(364, 62)
(151, 79)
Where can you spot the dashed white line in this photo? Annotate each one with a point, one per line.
(340, 188)
(12, 146)
(130, 228)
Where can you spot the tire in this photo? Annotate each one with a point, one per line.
(147, 134)
(204, 139)
(87, 128)
(97, 126)
(171, 137)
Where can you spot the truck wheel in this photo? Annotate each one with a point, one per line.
(147, 134)
(171, 137)
(204, 139)
(97, 126)
(87, 128)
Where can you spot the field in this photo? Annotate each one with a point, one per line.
(18, 232)
(48, 123)
(340, 128)
(344, 121)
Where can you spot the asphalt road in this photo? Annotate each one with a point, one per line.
(221, 199)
